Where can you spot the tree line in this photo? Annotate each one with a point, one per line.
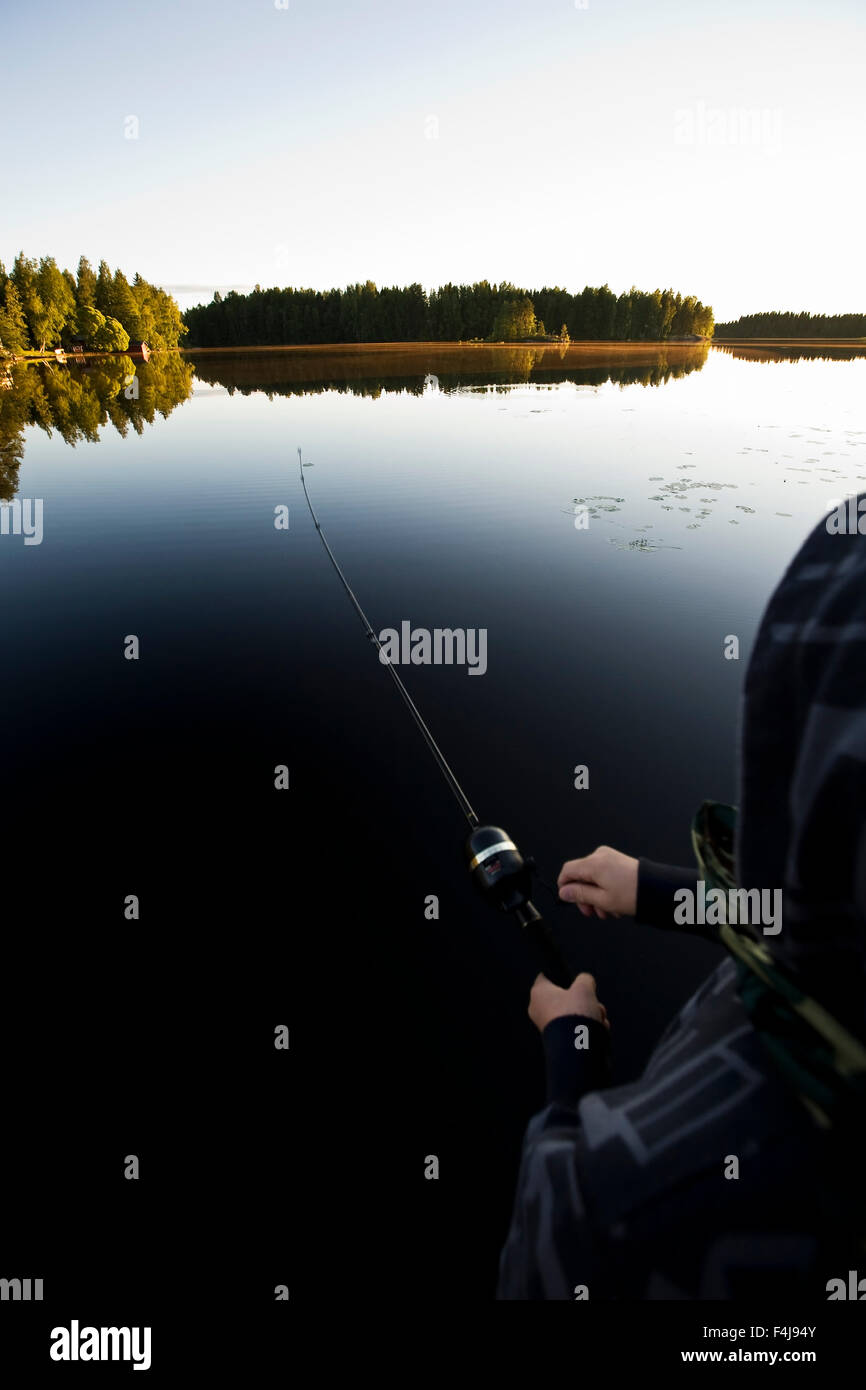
(790, 325)
(43, 307)
(468, 313)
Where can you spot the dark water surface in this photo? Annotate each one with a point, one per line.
(446, 482)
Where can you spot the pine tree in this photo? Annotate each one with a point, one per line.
(122, 306)
(13, 325)
(86, 284)
(58, 301)
(102, 294)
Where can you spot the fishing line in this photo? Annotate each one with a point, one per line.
(493, 859)
(455, 786)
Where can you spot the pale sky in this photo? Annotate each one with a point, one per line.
(713, 147)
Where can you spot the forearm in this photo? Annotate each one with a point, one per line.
(576, 1057)
(657, 885)
(552, 1251)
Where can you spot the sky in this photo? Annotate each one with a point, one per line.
(716, 148)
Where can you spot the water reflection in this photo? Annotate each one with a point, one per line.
(675, 462)
(416, 368)
(764, 352)
(79, 401)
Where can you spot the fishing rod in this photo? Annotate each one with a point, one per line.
(497, 867)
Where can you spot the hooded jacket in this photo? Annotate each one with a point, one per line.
(707, 1178)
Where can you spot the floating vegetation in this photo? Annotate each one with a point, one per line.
(596, 505)
(642, 543)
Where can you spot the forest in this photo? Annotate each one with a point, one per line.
(789, 325)
(481, 312)
(43, 307)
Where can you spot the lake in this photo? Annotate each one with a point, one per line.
(606, 514)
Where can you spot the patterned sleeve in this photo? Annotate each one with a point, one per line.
(549, 1252)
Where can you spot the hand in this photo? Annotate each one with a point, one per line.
(605, 882)
(547, 1001)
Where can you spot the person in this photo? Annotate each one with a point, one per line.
(731, 1167)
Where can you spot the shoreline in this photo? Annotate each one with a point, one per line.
(468, 345)
(579, 344)
(575, 345)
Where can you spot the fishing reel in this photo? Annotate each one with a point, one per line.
(505, 878)
(500, 871)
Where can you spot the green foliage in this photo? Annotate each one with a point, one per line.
(123, 307)
(791, 325)
(48, 306)
(13, 325)
(85, 293)
(159, 319)
(24, 278)
(56, 302)
(514, 319)
(451, 313)
(104, 334)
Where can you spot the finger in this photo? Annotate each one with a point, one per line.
(583, 893)
(541, 986)
(574, 870)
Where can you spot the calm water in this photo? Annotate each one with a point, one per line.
(446, 482)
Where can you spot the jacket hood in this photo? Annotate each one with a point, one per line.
(802, 820)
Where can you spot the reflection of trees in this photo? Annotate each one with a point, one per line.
(370, 370)
(79, 401)
(838, 352)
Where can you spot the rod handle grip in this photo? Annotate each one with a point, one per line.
(551, 956)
